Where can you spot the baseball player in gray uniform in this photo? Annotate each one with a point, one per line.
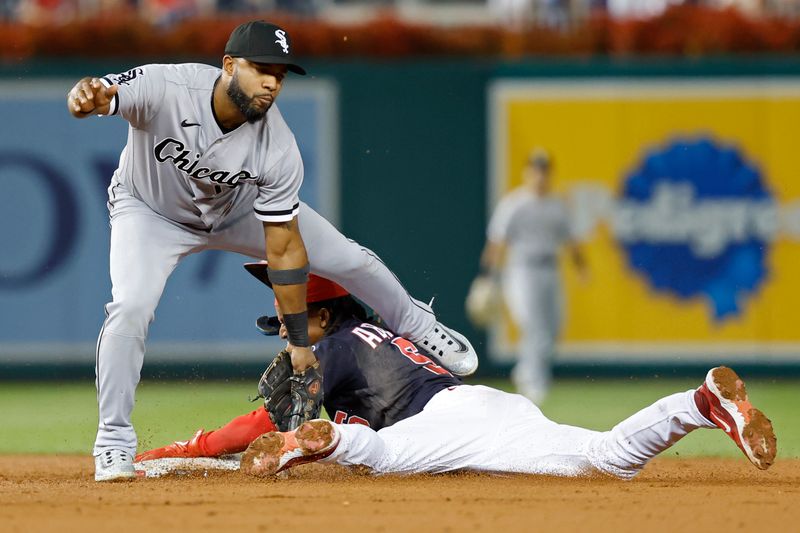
(211, 164)
(525, 233)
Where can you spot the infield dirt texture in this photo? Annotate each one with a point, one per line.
(57, 493)
(702, 484)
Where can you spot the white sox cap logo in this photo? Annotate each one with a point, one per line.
(281, 35)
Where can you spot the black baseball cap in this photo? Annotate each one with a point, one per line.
(261, 42)
(540, 159)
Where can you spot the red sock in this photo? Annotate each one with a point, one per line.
(702, 404)
(236, 435)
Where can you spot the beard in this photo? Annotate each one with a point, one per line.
(245, 103)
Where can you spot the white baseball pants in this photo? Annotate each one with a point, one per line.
(146, 248)
(484, 429)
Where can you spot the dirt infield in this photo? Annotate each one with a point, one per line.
(55, 493)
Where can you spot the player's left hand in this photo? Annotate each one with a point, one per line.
(290, 397)
(302, 358)
(583, 275)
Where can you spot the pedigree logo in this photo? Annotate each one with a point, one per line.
(695, 218)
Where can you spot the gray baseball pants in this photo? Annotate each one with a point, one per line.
(146, 248)
(533, 296)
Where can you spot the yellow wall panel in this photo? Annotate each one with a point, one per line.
(597, 133)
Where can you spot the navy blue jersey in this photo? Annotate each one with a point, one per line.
(371, 376)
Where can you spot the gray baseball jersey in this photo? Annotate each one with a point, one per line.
(531, 226)
(184, 166)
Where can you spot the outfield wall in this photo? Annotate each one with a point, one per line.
(411, 145)
(54, 270)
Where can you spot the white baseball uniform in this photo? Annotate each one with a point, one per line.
(185, 185)
(484, 429)
(533, 229)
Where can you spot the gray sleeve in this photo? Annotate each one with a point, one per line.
(278, 196)
(500, 222)
(140, 94)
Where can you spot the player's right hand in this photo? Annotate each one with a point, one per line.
(90, 96)
(302, 358)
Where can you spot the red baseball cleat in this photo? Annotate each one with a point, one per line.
(732, 412)
(274, 452)
(180, 448)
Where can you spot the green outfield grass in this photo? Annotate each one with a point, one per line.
(54, 418)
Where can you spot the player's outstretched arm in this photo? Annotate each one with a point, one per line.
(579, 260)
(288, 266)
(493, 255)
(90, 97)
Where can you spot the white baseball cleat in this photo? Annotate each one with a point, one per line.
(274, 452)
(732, 412)
(114, 465)
(451, 349)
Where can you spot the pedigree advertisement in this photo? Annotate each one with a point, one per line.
(685, 197)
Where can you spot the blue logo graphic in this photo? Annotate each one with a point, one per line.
(696, 219)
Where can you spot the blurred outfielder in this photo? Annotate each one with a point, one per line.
(525, 234)
(211, 164)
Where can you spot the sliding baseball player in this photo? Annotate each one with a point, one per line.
(394, 410)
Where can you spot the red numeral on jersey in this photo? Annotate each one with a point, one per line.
(408, 349)
(341, 418)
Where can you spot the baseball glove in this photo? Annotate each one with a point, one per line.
(307, 396)
(290, 398)
(484, 301)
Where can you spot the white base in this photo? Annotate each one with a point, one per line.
(186, 466)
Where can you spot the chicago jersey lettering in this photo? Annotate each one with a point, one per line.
(193, 175)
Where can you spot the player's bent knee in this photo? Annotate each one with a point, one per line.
(130, 315)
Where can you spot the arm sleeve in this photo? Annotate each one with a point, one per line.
(140, 95)
(568, 232)
(279, 195)
(500, 222)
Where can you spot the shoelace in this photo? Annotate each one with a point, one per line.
(108, 457)
(443, 336)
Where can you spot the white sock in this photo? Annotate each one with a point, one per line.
(625, 449)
